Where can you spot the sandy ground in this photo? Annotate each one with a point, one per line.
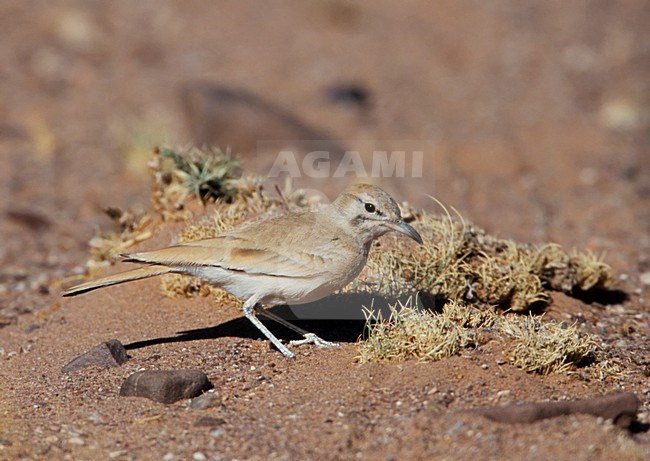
(535, 121)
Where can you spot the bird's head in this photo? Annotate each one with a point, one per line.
(371, 213)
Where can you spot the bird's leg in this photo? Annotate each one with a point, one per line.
(249, 312)
(310, 338)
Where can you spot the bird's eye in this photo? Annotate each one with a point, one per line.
(370, 208)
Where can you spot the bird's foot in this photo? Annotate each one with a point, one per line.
(311, 338)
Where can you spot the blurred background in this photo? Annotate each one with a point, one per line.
(538, 112)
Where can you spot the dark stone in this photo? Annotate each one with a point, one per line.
(166, 386)
(29, 218)
(209, 421)
(620, 408)
(351, 94)
(108, 354)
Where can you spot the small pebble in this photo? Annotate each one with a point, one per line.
(455, 428)
(645, 278)
(217, 432)
(76, 441)
(198, 456)
(352, 94)
(96, 417)
(207, 400)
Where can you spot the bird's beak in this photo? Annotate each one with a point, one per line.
(407, 230)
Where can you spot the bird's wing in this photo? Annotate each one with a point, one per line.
(307, 247)
(237, 254)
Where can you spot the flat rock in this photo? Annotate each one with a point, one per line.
(166, 386)
(108, 354)
(620, 408)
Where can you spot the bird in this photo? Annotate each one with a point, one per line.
(294, 258)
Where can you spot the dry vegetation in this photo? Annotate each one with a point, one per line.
(466, 280)
(413, 332)
(533, 345)
(545, 347)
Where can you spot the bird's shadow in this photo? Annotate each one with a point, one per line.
(339, 318)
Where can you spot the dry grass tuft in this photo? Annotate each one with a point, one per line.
(208, 174)
(411, 332)
(607, 368)
(591, 272)
(182, 286)
(180, 176)
(545, 347)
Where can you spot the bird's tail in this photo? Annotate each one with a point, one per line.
(135, 274)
